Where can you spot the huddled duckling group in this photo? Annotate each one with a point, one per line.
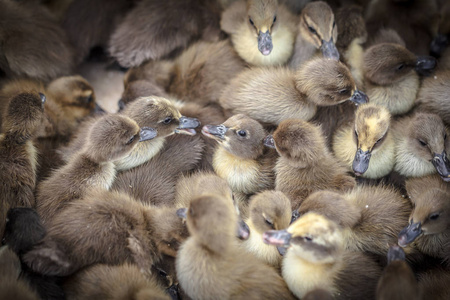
(260, 149)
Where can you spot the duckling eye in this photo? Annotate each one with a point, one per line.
(167, 120)
(334, 24)
(434, 216)
(251, 21)
(422, 143)
(89, 99)
(270, 223)
(131, 140)
(312, 30)
(400, 67)
(356, 134)
(343, 91)
(242, 133)
(308, 239)
(445, 136)
(274, 19)
(378, 140)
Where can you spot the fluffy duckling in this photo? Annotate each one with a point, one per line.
(305, 164)
(390, 77)
(18, 156)
(23, 51)
(110, 228)
(109, 139)
(367, 147)
(397, 280)
(317, 31)
(173, 25)
(269, 210)
(421, 146)
(434, 283)
(429, 227)
(113, 282)
(319, 82)
(316, 258)
(371, 216)
(210, 265)
(262, 31)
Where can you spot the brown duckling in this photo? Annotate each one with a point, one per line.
(305, 164)
(269, 210)
(161, 28)
(110, 228)
(434, 283)
(120, 282)
(262, 31)
(210, 264)
(316, 258)
(18, 156)
(397, 280)
(390, 76)
(317, 32)
(421, 146)
(319, 82)
(112, 137)
(367, 147)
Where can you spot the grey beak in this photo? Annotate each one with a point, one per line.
(265, 45)
(395, 253)
(409, 234)
(215, 130)
(277, 237)
(359, 97)
(329, 50)
(147, 133)
(188, 123)
(182, 213)
(425, 65)
(269, 141)
(243, 231)
(361, 162)
(43, 98)
(441, 163)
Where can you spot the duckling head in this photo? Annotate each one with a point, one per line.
(114, 136)
(270, 210)
(161, 114)
(327, 82)
(239, 135)
(351, 25)
(262, 19)
(23, 116)
(430, 215)
(312, 237)
(371, 128)
(318, 27)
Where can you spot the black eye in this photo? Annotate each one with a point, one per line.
(251, 21)
(334, 24)
(312, 30)
(274, 19)
(309, 239)
(378, 141)
(167, 120)
(434, 216)
(270, 223)
(242, 133)
(356, 134)
(445, 136)
(131, 140)
(422, 143)
(343, 91)
(400, 67)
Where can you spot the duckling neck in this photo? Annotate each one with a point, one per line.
(142, 153)
(408, 164)
(256, 246)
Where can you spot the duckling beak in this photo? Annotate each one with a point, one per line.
(395, 253)
(438, 45)
(182, 213)
(215, 131)
(441, 163)
(269, 141)
(295, 216)
(425, 65)
(265, 45)
(329, 50)
(359, 97)
(243, 231)
(409, 234)
(187, 125)
(147, 133)
(277, 237)
(43, 98)
(361, 162)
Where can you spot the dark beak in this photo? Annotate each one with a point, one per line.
(439, 44)
(361, 162)
(215, 131)
(265, 45)
(295, 216)
(147, 133)
(359, 97)
(121, 105)
(43, 98)
(395, 253)
(98, 109)
(425, 65)
(243, 231)
(329, 50)
(269, 141)
(440, 162)
(409, 234)
(187, 125)
(277, 237)
(182, 213)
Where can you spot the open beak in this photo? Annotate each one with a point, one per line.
(409, 234)
(187, 125)
(329, 50)
(269, 141)
(243, 231)
(441, 163)
(361, 162)
(265, 45)
(147, 133)
(215, 131)
(359, 97)
(395, 253)
(425, 65)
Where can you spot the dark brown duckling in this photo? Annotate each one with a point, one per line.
(18, 156)
(305, 164)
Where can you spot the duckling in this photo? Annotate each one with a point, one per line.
(371, 216)
(421, 143)
(173, 25)
(210, 264)
(397, 280)
(262, 32)
(106, 227)
(367, 147)
(140, 88)
(318, 82)
(241, 158)
(113, 282)
(316, 258)
(429, 228)
(390, 79)
(317, 31)
(109, 139)
(268, 210)
(18, 156)
(305, 164)
(23, 53)
(434, 283)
